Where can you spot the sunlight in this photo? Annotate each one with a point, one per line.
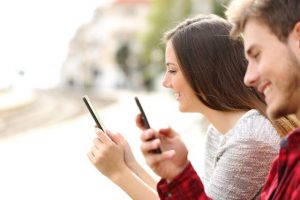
(35, 36)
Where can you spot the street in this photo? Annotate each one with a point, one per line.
(49, 162)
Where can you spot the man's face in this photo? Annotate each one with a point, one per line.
(274, 68)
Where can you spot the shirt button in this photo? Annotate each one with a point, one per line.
(169, 194)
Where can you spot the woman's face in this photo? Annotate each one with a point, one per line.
(174, 79)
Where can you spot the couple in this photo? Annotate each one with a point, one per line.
(206, 69)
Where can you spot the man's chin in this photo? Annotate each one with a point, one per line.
(276, 113)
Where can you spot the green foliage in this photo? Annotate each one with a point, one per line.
(164, 14)
(219, 7)
(122, 56)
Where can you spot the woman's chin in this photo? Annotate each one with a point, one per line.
(182, 109)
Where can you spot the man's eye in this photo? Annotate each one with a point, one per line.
(256, 55)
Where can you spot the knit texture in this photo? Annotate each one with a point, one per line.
(237, 162)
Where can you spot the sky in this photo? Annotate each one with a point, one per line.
(34, 38)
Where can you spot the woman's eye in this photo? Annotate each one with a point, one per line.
(171, 71)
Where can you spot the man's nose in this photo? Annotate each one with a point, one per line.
(252, 76)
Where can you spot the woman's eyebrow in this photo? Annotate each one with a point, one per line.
(170, 63)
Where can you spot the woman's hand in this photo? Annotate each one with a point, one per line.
(173, 159)
(108, 154)
(129, 158)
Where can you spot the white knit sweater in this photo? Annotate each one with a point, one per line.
(237, 163)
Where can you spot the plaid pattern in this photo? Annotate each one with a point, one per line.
(283, 181)
(186, 185)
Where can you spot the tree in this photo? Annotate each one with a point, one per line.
(219, 7)
(164, 14)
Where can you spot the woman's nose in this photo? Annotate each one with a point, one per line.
(166, 81)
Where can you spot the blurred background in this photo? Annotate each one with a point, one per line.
(52, 53)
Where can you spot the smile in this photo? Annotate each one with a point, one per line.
(267, 90)
(177, 95)
(263, 87)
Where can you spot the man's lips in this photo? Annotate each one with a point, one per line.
(264, 87)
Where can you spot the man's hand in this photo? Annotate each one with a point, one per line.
(173, 158)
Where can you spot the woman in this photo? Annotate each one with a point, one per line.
(205, 69)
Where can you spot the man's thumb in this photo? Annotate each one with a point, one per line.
(166, 131)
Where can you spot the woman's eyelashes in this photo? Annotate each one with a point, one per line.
(171, 71)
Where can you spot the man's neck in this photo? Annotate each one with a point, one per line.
(298, 114)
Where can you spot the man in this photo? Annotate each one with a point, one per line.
(271, 31)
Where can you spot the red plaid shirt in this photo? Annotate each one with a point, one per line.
(284, 178)
(283, 181)
(187, 185)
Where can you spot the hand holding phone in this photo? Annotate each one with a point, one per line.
(145, 122)
(93, 112)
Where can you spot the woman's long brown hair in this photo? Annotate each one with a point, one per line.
(214, 65)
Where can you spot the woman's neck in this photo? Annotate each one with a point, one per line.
(223, 121)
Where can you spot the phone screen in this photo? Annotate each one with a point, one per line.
(145, 122)
(93, 112)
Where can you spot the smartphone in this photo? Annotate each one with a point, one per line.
(145, 122)
(93, 112)
(144, 118)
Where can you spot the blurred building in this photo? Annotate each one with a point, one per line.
(92, 60)
(104, 52)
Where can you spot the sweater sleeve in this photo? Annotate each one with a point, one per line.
(187, 185)
(240, 169)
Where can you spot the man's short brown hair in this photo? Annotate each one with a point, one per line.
(279, 15)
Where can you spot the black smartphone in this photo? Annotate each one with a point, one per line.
(93, 112)
(145, 122)
(144, 118)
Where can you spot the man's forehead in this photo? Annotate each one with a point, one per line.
(254, 33)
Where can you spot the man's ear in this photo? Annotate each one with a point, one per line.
(294, 37)
(296, 31)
